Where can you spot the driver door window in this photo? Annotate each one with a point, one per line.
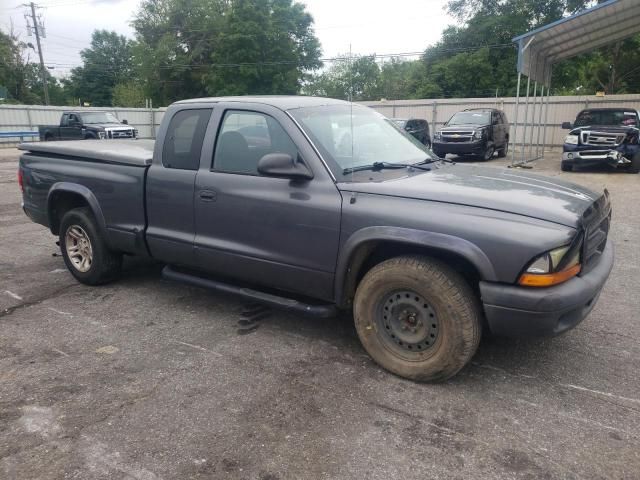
(244, 138)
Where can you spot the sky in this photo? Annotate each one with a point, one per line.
(365, 26)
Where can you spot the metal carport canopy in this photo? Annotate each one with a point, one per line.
(583, 32)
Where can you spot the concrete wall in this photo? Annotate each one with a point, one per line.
(28, 117)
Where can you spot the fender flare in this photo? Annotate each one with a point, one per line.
(410, 237)
(84, 192)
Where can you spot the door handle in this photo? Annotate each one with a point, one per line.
(207, 195)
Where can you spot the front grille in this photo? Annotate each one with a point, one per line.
(602, 138)
(120, 133)
(596, 221)
(457, 136)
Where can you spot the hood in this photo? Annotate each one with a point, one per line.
(505, 190)
(605, 129)
(466, 126)
(108, 125)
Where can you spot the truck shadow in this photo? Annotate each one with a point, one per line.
(508, 355)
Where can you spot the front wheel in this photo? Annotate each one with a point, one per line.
(488, 153)
(417, 318)
(84, 251)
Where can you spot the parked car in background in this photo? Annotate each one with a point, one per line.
(476, 131)
(252, 196)
(417, 127)
(603, 136)
(85, 125)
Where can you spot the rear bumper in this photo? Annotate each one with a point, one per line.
(515, 311)
(475, 148)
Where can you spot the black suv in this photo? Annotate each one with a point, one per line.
(417, 127)
(475, 131)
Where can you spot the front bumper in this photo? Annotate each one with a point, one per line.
(516, 311)
(594, 157)
(476, 147)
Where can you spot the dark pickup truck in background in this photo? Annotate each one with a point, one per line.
(603, 136)
(87, 125)
(257, 197)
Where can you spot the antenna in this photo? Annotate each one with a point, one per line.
(351, 108)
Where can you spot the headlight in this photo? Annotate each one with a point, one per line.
(102, 135)
(477, 135)
(571, 139)
(437, 136)
(553, 267)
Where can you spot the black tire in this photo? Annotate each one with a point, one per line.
(48, 137)
(105, 265)
(566, 166)
(90, 136)
(431, 292)
(488, 153)
(502, 152)
(635, 164)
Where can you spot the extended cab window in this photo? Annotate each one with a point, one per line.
(183, 142)
(245, 137)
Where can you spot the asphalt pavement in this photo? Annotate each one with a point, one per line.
(146, 379)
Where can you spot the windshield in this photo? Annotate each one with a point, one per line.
(375, 138)
(99, 117)
(470, 118)
(607, 117)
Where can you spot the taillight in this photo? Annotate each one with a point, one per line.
(20, 182)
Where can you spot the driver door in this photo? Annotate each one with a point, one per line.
(276, 232)
(73, 129)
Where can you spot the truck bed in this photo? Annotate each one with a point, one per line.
(136, 153)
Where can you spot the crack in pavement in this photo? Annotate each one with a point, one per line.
(29, 303)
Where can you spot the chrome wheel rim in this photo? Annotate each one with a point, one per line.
(79, 250)
(408, 323)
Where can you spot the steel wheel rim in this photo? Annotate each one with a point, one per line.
(407, 323)
(79, 249)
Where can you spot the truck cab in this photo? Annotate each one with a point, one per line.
(603, 136)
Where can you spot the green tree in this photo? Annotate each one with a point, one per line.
(106, 63)
(357, 78)
(129, 94)
(193, 48)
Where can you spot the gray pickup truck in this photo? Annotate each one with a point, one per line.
(317, 205)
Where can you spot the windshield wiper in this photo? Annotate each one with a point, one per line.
(377, 166)
(439, 159)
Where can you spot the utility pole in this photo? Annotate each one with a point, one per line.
(43, 71)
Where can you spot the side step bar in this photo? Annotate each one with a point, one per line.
(283, 303)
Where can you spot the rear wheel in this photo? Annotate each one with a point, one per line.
(84, 251)
(566, 166)
(502, 152)
(635, 164)
(417, 318)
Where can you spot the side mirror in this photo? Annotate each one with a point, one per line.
(567, 126)
(125, 122)
(283, 165)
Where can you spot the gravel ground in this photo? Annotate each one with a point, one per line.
(145, 379)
